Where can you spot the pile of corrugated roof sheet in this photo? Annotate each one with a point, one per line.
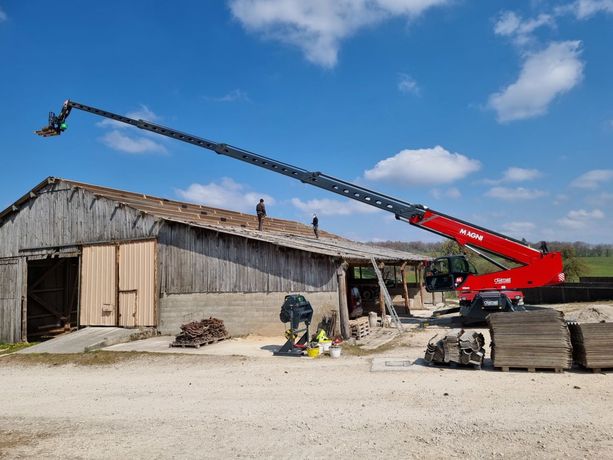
(593, 344)
(198, 333)
(457, 347)
(530, 340)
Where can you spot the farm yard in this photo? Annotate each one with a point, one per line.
(306, 229)
(151, 405)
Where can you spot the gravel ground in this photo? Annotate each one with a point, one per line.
(174, 406)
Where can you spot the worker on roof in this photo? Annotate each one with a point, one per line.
(315, 223)
(260, 210)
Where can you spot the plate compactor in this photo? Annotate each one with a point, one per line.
(295, 310)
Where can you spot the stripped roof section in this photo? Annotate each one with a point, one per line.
(191, 213)
(281, 232)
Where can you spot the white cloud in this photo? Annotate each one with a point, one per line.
(515, 194)
(452, 192)
(560, 198)
(544, 76)
(118, 140)
(407, 85)
(3, 16)
(226, 194)
(519, 229)
(123, 136)
(584, 9)
(511, 25)
(579, 219)
(236, 95)
(430, 166)
(601, 199)
(593, 179)
(143, 113)
(515, 174)
(318, 27)
(328, 207)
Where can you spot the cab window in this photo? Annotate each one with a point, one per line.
(459, 265)
(441, 266)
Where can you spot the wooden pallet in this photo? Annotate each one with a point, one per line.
(197, 344)
(360, 328)
(557, 370)
(596, 370)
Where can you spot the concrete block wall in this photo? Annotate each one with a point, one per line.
(242, 313)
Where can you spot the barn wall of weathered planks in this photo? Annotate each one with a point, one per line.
(61, 215)
(200, 260)
(59, 218)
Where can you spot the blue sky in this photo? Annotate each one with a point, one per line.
(499, 113)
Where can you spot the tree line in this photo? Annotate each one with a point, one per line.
(578, 248)
(571, 252)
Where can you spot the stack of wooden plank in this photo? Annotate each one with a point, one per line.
(592, 344)
(530, 340)
(198, 333)
(456, 347)
(360, 327)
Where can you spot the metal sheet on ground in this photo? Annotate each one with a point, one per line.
(395, 364)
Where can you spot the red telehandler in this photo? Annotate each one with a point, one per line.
(479, 294)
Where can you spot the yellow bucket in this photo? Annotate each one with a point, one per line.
(313, 352)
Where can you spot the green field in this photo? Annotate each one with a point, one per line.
(598, 266)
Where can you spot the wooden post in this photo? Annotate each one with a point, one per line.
(343, 309)
(405, 290)
(420, 279)
(24, 298)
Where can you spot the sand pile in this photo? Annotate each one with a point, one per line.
(595, 314)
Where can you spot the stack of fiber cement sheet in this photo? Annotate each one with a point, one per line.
(530, 339)
(592, 344)
(457, 347)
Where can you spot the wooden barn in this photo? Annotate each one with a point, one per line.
(75, 255)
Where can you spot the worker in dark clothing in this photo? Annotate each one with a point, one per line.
(260, 210)
(315, 225)
(544, 248)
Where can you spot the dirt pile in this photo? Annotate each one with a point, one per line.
(594, 314)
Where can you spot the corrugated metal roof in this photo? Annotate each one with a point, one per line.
(281, 232)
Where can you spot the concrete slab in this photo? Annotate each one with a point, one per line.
(252, 346)
(395, 364)
(87, 339)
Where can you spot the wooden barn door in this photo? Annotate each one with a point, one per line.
(137, 284)
(99, 286)
(10, 300)
(118, 285)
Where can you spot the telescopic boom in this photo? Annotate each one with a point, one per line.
(537, 268)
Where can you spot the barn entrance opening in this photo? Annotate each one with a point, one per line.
(52, 304)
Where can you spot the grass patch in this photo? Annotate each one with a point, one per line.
(92, 358)
(107, 358)
(598, 265)
(6, 348)
(12, 439)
